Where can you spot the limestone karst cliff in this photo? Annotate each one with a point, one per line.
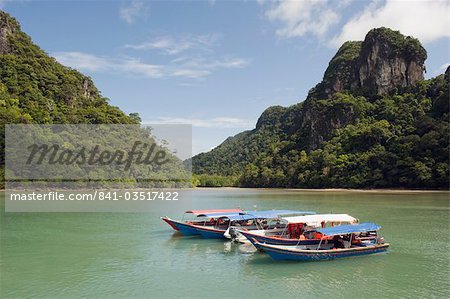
(361, 126)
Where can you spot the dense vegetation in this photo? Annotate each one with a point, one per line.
(36, 89)
(399, 141)
(46, 91)
(341, 136)
(339, 69)
(347, 139)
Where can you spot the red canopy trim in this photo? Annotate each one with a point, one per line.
(197, 212)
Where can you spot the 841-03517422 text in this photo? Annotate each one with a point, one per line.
(95, 195)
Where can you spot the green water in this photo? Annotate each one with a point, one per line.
(120, 255)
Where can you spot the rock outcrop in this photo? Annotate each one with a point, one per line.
(8, 26)
(389, 59)
(386, 59)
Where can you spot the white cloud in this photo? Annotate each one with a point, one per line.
(173, 46)
(442, 68)
(137, 67)
(216, 122)
(132, 10)
(192, 56)
(83, 61)
(298, 18)
(226, 63)
(186, 68)
(191, 73)
(425, 20)
(186, 84)
(211, 64)
(89, 62)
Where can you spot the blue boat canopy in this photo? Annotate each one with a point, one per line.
(249, 215)
(213, 211)
(218, 215)
(243, 217)
(277, 213)
(349, 229)
(255, 214)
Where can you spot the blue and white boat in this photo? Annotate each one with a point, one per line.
(337, 242)
(215, 223)
(198, 218)
(296, 230)
(247, 220)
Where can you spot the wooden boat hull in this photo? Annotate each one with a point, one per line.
(184, 228)
(188, 229)
(284, 253)
(211, 233)
(277, 241)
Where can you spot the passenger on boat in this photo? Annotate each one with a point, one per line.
(338, 242)
(356, 240)
(295, 230)
(309, 235)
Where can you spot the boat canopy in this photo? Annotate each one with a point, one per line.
(269, 214)
(349, 229)
(216, 211)
(316, 220)
(250, 214)
(217, 215)
(238, 217)
(277, 213)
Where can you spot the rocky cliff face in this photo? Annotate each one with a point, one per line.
(389, 59)
(384, 60)
(319, 122)
(8, 26)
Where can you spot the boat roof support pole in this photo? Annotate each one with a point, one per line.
(284, 230)
(320, 243)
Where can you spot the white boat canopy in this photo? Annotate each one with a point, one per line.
(316, 220)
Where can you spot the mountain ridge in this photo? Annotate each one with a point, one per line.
(36, 89)
(361, 80)
(47, 91)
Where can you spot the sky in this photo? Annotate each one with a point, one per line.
(217, 64)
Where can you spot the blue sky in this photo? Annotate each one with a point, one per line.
(217, 64)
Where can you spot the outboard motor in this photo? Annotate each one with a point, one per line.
(233, 233)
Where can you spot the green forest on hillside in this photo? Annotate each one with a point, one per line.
(398, 140)
(36, 89)
(395, 140)
(343, 135)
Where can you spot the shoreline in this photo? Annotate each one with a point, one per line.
(380, 191)
(325, 190)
